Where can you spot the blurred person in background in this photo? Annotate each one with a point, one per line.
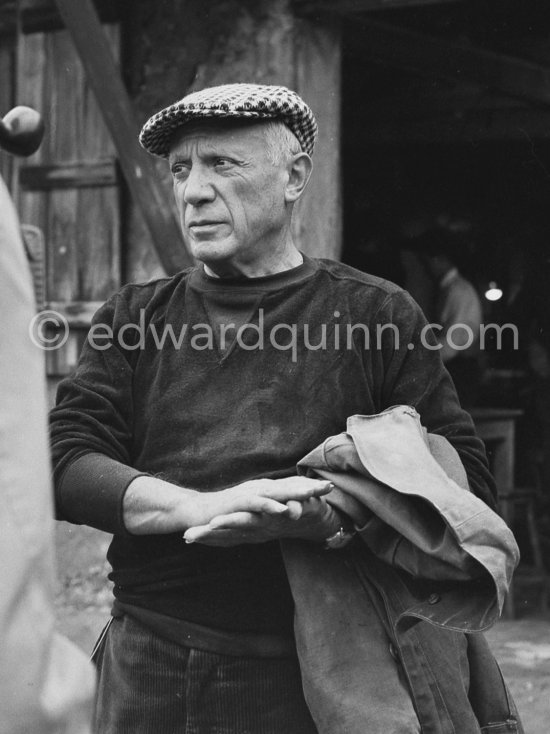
(46, 683)
(457, 312)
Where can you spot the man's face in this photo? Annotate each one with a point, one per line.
(230, 196)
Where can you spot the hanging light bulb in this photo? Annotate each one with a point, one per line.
(493, 292)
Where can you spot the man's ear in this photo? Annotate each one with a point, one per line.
(299, 171)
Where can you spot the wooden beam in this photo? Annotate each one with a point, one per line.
(76, 175)
(435, 57)
(42, 15)
(138, 167)
(35, 16)
(357, 7)
(79, 314)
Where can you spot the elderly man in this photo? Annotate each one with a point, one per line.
(46, 682)
(195, 398)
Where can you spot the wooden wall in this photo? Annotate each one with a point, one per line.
(69, 188)
(95, 237)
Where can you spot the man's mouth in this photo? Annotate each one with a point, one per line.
(203, 223)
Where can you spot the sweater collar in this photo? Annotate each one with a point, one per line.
(203, 282)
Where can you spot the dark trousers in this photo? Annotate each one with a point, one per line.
(148, 685)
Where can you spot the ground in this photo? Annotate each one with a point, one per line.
(522, 645)
(522, 648)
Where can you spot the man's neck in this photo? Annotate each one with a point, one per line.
(291, 259)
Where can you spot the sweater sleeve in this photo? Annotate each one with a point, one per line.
(91, 428)
(410, 372)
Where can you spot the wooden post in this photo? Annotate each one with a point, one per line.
(137, 166)
(318, 217)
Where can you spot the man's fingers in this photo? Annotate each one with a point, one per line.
(296, 488)
(270, 497)
(222, 537)
(258, 503)
(235, 520)
(295, 510)
(194, 534)
(323, 489)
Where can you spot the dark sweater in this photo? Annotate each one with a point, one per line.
(208, 419)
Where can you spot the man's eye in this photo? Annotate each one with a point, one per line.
(223, 163)
(180, 170)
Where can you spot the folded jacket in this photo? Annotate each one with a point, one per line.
(380, 625)
(410, 490)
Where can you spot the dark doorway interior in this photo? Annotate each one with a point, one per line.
(420, 149)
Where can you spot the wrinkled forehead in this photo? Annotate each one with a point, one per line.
(235, 131)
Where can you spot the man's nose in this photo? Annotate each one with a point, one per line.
(198, 187)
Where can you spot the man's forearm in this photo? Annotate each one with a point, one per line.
(91, 490)
(151, 505)
(106, 494)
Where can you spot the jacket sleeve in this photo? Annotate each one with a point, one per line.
(409, 371)
(91, 427)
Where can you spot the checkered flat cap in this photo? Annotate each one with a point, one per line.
(245, 101)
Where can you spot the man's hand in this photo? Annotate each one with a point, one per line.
(153, 506)
(311, 519)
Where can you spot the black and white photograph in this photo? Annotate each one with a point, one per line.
(275, 366)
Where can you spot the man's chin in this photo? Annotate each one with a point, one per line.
(212, 250)
(215, 255)
(209, 257)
